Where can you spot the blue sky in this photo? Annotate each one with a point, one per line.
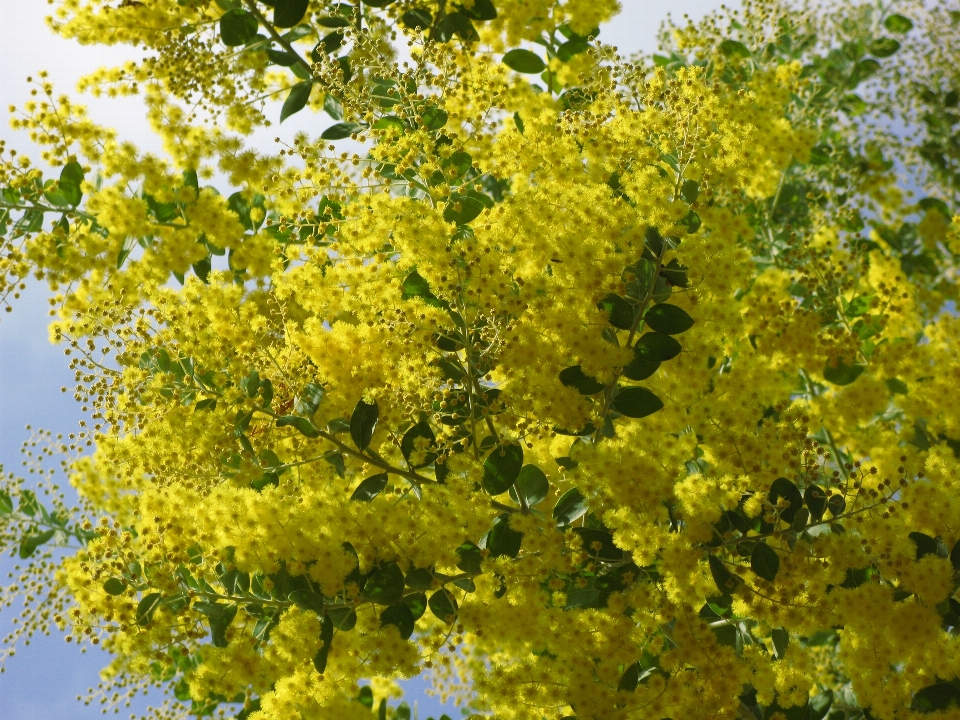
(44, 679)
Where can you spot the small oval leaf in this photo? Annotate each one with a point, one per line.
(524, 61)
(636, 402)
(370, 488)
(501, 468)
(668, 319)
(764, 561)
(363, 423)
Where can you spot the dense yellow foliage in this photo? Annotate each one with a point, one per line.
(606, 388)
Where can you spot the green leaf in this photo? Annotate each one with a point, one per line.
(114, 586)
(571, 48)
(219, 624)
(640, 368)
(434, 118)
(574, 377)
(147, 607)
(620, 313)
(340, 131)
(816, 500)
(955, 555)
(897, 387)
(838, 372)
(407, 444)
(287, 13)
(250, 384)
(629, 680)
(238, 27)
(524, 61)
(455, 23)
(571, 506)
(363, 423)
(690, 191)
(300, 424)
(503, 540)
(415, 286)
(884, 47)
(926, 545)
(326, 637)
(29, 505)
(636, 402)
(735, 48)
(399, 616)
(307, 599)
(936, 697)
(296, 100)
(417, 19)
(417, 604)
(370, 488)
(836, 504)
(481, 10)
(420, 579)
(783, 488)
(898, 23)
(343, 618)
(443, 605)
(307, 402)
(599, 544)
(532, 484)
(764, 561)
(330, 43)
(657, 347)
(69, 186)
(30, 543)
(6, 503)
(385, 586)
(726, 581)
(470, 557)
(781, 639)
(281, 58)
(501, 468)
(668, 319)
(463, 208)
(332, 106)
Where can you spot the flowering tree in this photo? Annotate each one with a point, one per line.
(588, 387)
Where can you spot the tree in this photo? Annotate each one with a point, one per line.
(593, 388)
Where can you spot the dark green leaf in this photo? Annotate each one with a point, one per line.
(147, 607)
(532, 484)
(620, 313)
(783, 488)
(897, 387)
(370, 488)
(570, 48)
(30, 543)
(690, 191)
(307, 402)
(898, 23)
(816, 500)
(420, 579)
(385, 586)
(764, 561)
(657, 347)
(296, 100)
(640, 368)
(408, 443)
(332, 106)
(114, 586)
(326, 638)
(417, 19)
(250, 384)
(524, 61)
(237, 27)
(668, 319)
(417, 604)
(955, 555)
(340, 131)
(301, 424)
(836, 504)
(334, 21)
(463, 208)
(636, 402)
(281, 58)
(6, 503)
(781, 639)
(734, 48)
(570, 507)
(726, 581)
(599, 544)
(501, 468)
(219, 624)
(287, 13)
(502, 540)
(330, 43)
(926, 545)
(443, 605)
(434, 118)
(629, 680)
(936, 697)
(363, 423)
(307, 599)
(343, 618)
(415, 286)
(470, 557)
(574, 377)
(838, 372)
(481, 10)
(455, 23)
(399, 615)
(884, 47)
